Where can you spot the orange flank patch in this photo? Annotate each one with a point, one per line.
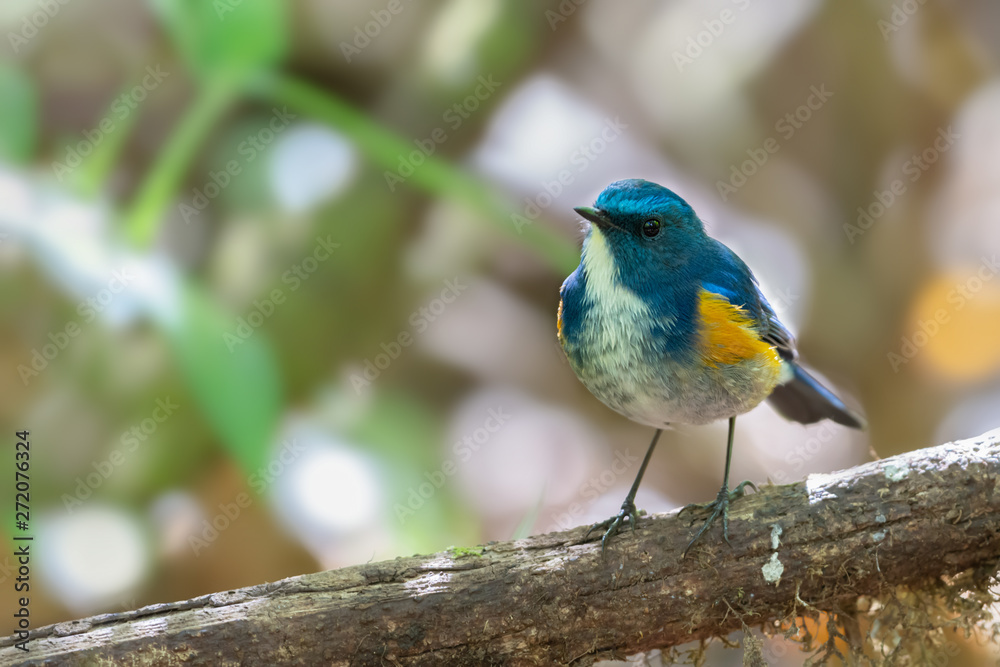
(728, 335)
(559, 322)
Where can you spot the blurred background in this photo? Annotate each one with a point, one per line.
(279, 279)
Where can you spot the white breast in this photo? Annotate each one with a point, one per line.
(618, 322)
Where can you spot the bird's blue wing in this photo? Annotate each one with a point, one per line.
(729, 276)
(800, 397)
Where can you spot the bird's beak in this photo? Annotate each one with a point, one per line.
(594, 215)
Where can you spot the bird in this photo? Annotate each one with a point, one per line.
(666, 325)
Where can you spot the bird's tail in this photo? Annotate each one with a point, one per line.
(804, 399)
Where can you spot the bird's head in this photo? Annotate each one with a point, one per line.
(641, 227)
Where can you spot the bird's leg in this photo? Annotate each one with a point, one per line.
(628, 507)
(721, 503)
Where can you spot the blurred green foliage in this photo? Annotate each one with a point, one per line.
(19, 125)
(240, 390)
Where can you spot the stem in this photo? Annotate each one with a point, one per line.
(93, 173)
(146, 214)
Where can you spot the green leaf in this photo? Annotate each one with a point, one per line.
(18, 114)
(226, 35)
(239, 390)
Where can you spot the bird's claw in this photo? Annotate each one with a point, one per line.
(719, 506)
(613, 524)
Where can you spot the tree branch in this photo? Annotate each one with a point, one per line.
(551, 599)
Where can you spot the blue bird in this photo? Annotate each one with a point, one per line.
(666, 325)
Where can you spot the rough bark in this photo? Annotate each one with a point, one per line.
(551, 599)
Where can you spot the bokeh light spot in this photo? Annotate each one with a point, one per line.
(954, 322)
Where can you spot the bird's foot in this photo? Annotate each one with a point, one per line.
(613, 524)
(719, 506)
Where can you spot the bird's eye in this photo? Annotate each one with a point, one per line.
(650, 228)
